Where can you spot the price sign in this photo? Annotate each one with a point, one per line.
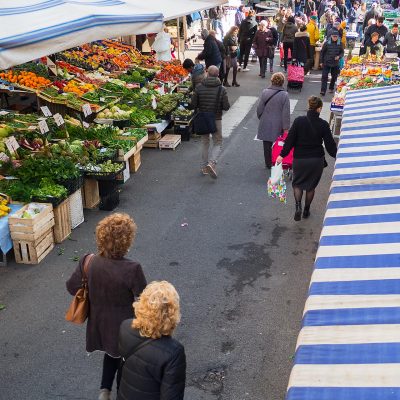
(87, 110)
(46, 112)
(85, 124)
(4, 112)
(12, 144)
(161, 90)
(43, 127)
(58, 119)
(4, 157)
(153, 102)
(102, 99)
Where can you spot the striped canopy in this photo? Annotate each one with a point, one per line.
(30, 29)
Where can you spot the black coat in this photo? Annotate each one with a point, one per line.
(310, 7)
(301, 47)
(342, 12)
(307, 143)
(211, 53)
(157, 371)
(247, 30)
(382, 31)
(329, 51)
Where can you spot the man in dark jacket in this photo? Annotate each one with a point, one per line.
(211, 96)
(378, 27)
(247, 31)
(371, 14)
(222, 51)
(392, 40)
(211, 53)
(332, 51)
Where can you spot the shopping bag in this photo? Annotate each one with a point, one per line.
(295, 73)
(276, 173)
(277, 191)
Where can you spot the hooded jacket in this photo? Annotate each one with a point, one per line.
(247, 30)
(198, 74)
(313, 32)
(301, 47)
(211, 53)
(289, 31)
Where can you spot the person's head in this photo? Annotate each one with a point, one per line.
(282, 10)
(291, 19)
(157, 311)
(303, 28)
(213, 33)
(374, 5)
(334, 35)
(241, 8)
(278, 79)
(374, 37)
(262, 25)
(252, 13)
(379, 21)
(315, 104)
(356, 5)
(114, 235)
(395, 29)
(364, 6)
(204, 34)
(336, 25)
(188, 64)
(213, 71)
(372, 21)
(233, 31)
(314, 19)
(165, 28)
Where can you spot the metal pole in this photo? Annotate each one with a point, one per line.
(179, 39)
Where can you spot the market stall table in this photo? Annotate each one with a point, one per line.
(5, 237)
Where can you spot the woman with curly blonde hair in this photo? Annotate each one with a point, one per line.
(154, 363)
(114, 282)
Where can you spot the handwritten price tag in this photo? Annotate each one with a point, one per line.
(58, 119)
(85, 124)
(4, 157)
(46, 112)
(153, 102)
(12, 144)
(87, 110)
(43, 127)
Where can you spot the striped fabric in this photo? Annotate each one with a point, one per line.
(349, 344)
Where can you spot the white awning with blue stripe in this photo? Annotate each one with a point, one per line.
(349, 344)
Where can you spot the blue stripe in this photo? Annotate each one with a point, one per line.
(371, 261)
(365, 188)
(367, 164)
(362, 113)
(362, 101)
(343, 393)
(371, 353)
(348, 145)
(352, 316)
(364, 202)
(347, 177)
(362, 219)
(384, 286)
(371, 238)
(368, 153)
(367, 135)
(92, 21)
(371, 126)
(379, 118)
(380, 106)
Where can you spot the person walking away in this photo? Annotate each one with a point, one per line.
(239, 16)
(377, 27)
(211, 53)
(374, 47)
(352, 17)
(289, 31)
(280, 20)
(216, 15)
(392, 40)
(306, 136)
(211, 96)
(114, 282)
(222, 51)
(371, 14)
(247, 31)
(343, 12)
(273, 111)
(331, 52)
(162, 45)
(197, 72)
(231, 46)
(310, 8)
(323, 8)
(360, 14)
(302, 49)
(264, 45)
(313, 33)
(297, 6)
(155, 363)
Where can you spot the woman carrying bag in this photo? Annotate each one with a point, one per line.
(232, 47)
(306, 136)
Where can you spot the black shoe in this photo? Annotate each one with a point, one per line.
(322, 93)
(268, 166)
(297, 214)
(235, 84)
(226, 84)
(306, 212)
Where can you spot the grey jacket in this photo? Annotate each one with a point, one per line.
(391, 43)
(275, 116)
(289, 31)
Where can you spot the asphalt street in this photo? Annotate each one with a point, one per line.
(239, 261)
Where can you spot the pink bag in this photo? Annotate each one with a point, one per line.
(295, 73)
(287, 162)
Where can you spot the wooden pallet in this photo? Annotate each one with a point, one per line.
(91, 197)
(32, 252)
(170, 142)
(153, 140)
(62, 219)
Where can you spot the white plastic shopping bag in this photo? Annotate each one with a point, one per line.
(276, 173)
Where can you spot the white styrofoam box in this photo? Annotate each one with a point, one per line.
(76, 208)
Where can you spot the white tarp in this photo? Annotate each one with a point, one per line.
(30, 29)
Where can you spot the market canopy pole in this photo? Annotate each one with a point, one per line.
(30, 29)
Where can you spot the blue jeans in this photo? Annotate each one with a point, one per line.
(359, 30)
(217, 24)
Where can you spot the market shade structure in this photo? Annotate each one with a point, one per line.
(30, 29)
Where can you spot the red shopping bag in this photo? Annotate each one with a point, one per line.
(295, 73)
(282, 54)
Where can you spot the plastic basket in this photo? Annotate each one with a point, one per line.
(104, 176)
(72, 184)
(110, 201)
(55, 201)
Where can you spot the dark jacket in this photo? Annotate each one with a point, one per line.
(211, 53)
(205, 97)
(329, 51)
(221, 48)
(382, 30)
(371, 14)
(239, 17)
(265, 41)
(301, 47)
(230, 42)
(157, 371)
(288, 33)
(342, 12)
(352, 16)
(390, 42)
(198, 74)
(307, 142)
(247, 30)
(113, 286)
(310, 7)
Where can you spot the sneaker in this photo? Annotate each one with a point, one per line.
(105, 394)
(204, 171)
(211, 170)
(245, 70)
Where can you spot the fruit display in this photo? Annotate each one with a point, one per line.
(78, 88)
(114, 113)
(355, 60)
(24, 79)
(374, 71)
(350, 72)
(4, 209)
(172, 73)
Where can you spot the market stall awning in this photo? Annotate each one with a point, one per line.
(30, 29)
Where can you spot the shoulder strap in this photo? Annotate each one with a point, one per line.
(276, 92)
(133, 351)
(218, 99)
(85, 268)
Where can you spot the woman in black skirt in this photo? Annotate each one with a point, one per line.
(306, 136)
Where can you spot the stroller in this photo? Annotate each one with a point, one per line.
(287, 162)
(295, 76)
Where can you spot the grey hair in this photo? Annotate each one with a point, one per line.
(213, 71)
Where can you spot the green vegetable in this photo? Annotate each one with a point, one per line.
(47, 188)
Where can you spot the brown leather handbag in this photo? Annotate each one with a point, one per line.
(79, 308)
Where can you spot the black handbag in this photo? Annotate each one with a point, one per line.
(204, 121)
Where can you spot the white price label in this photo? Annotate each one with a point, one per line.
(12, 144)
(4, 112)
(153, 102)
(4, 157)
(102, 99)
(46, 112)
(58, 119)
(85, 124)
(43, 127)
(161, 90)
(87, 110)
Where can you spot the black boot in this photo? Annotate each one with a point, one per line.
(234, 82)
(306, 212)
(297, 214)
(226, 84)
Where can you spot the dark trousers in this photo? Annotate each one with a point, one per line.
(286, 47)
(245, 48)
(263, 65)
(110, 368)
(324, 80)
(267, 153)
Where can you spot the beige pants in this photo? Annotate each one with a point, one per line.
(213, 155)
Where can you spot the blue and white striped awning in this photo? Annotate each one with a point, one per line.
(349, 344)
(30, 29)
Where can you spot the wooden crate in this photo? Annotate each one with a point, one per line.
(141, 142)
(170, 142)
(135, 162)
(32, 252)
(91, 198)
(62, 221)
(153, 139)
